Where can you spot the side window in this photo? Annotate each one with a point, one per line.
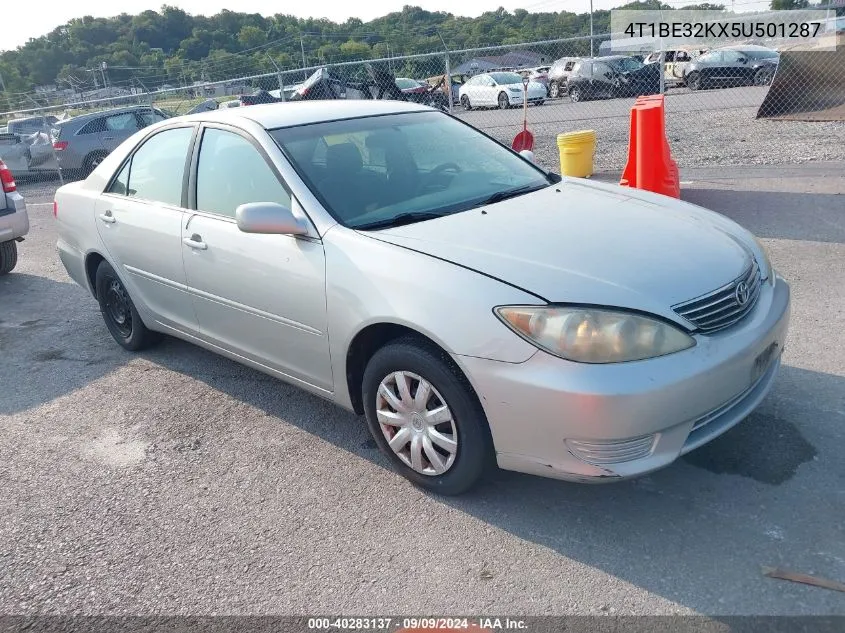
(94, 127)
(148, 117)
(730, 56)
(682, 56)
(569, 66)
(125, 121)
(602, 70)
(232, 172)
(586, 69)
(158, 167)
(120, 185)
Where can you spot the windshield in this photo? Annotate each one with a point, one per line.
(405, 84)
(504, 79)
(626, 64)
(371, 170)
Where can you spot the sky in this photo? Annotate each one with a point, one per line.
(23, 20)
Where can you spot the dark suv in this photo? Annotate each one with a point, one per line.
(732, 66)
(611, 77)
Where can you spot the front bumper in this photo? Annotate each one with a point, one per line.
(594, 423)
(14, 221)
(517, 98)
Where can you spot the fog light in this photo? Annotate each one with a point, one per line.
(612, 451)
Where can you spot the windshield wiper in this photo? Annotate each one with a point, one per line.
(499, 196)
(399, 220)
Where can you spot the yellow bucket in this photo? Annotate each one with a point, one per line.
(577, 150)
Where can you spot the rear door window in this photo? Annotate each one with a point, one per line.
(157, 169)
(122, 122)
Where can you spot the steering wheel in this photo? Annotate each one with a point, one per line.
(445, 167)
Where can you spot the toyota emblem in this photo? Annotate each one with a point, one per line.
(741, 293)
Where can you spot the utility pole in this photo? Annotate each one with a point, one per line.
(103, 71)
(591, 29)
(278, 76)
(8, 98)
(302, 48)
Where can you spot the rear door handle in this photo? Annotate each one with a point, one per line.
(195, 241)
(107, 217)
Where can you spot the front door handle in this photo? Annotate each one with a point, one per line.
(107, 217)
(195, 241)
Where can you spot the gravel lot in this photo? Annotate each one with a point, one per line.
(712, 127)
(177, 482)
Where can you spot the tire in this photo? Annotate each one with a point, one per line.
(693, 81)
(91, 162)
(119, 312)
(465, 103)
(8, 257)
(763, 76)
(554, 90)
(575, 95)
(412, 362)
(504, 101)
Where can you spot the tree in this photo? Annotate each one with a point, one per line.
(252, 37)
(786, 5)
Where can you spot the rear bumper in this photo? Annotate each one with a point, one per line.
(14, 221)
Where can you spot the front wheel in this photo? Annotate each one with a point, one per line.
(763, 76)
(504, 101)
(425, 417)
(8, 256)
(554, 90)
(119, 312)
(575, 94)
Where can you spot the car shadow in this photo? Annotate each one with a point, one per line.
(52, 341)
(733, 489)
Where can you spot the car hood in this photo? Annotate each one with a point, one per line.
(581, 242)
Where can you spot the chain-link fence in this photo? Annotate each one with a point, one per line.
(713, 104)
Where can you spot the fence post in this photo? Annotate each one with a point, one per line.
(662, 64)
(449, 82)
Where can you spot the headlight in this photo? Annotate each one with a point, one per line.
(586, 335)
(766, 265)
(514, 89)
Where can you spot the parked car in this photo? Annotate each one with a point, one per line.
(314, 241)
(499, 89)
(539, 74)
(411, 86)
(732, 66)
(611, 77)
(559, 74)
(82, 142)
(31, 125)
(675, 62)
(14, 221)
(457, 80)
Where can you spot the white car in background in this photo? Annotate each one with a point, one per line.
(499, 89)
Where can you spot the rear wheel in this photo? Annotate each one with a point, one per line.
(8, 256)
(693, 81)
(425, 417)
(465, 103)
(575, 94)
(119, 313)
(504, 101)
(554, 90)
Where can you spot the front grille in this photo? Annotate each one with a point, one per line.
(721, 308)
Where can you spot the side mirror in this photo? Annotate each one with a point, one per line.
(268, 218)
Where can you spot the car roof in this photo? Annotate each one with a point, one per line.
(276, 115)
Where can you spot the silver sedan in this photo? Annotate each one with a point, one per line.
(477, 309)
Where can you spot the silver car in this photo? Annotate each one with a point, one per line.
(14, 221)
(81, 142)
(398, 262)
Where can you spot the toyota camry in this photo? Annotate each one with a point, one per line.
(477, 309)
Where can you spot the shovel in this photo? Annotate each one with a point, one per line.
(525, 139)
